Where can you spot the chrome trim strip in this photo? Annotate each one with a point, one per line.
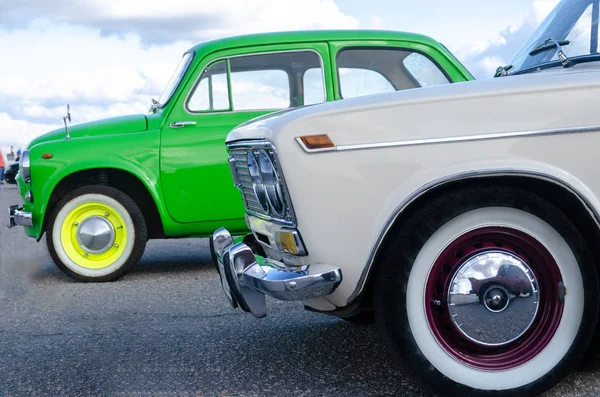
(25, 166)
(178, 85)
(181, 124)
(232, 110)
(453, 139)
(452, 178)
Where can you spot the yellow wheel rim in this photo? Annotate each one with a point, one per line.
(76, 251)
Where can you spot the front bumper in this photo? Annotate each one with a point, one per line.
(18, 217)
(246, 280)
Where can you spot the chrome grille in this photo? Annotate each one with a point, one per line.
(238, 153)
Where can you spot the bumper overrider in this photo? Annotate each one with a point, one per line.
(18, 217)
(246, 279)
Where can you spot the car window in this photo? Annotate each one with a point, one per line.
(212, 92)
(260, 89)
(272, 80)
(313, 86)
(580, 36)
(365, 71)
(265, 81)
(423, 70)
(356, 82)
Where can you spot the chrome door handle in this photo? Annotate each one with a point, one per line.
(181, 124)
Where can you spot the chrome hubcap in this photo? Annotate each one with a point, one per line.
(493, 298)
(496, 298)
(95, 234)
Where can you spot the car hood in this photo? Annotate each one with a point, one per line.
(108, 126)
(448, 109)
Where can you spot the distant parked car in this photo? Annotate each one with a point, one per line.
(10, 174)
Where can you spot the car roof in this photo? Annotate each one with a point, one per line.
(309, 36)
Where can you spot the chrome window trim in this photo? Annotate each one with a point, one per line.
(261, 144)
(232, 110)
(453, 178)
(25, 166)
(453, 139)
(181, 80)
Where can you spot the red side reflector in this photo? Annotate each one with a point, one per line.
(47, 156)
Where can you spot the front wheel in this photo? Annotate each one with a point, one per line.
(96, 233)
(489, 292)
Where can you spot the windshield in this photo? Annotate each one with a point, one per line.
(572, 23)
(176, 78)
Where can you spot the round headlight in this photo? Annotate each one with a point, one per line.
(257, 183)
(271, 183)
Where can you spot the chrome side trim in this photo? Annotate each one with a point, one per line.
(453, 139)
(453, 178)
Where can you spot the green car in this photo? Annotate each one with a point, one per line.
(101, 189)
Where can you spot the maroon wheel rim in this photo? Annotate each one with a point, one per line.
(550, 307)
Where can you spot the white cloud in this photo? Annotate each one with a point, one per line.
(20, 132)
(482, 58)
(110, 58)
(376, 22)
(157, 21)
(490, 63)
(542, 8)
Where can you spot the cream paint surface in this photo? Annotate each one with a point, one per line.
(343, 200)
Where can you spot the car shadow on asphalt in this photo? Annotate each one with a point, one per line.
(160, 257)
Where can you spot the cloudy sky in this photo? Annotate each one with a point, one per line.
(109, 57)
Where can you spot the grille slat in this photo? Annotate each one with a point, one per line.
(240, 161)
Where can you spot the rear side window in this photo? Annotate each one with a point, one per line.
(313, 86)
(366, 71)
(423, 70)
(268, 81)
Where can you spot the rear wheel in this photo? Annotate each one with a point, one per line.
(96, 233)
(489, 292)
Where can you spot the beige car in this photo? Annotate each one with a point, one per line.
(463, 218)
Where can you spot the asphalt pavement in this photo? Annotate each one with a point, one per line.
(165, 329)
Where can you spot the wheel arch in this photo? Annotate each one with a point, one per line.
(125, 181)
(563, 195)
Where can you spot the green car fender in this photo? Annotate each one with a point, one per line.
(137, 156)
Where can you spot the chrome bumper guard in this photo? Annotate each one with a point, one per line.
(245, 282)
(17, 217)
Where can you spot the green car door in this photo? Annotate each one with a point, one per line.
(231, 87)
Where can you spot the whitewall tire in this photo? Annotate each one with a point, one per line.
(484, 297)
(96, 233)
